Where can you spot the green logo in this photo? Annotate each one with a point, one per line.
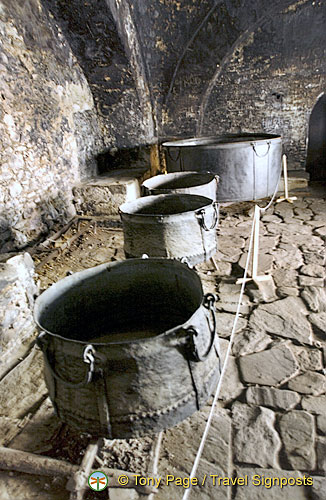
(98, 481)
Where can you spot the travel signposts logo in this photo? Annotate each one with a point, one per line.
(98, 481)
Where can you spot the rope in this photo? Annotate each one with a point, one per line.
(218, 388)
(263, 209)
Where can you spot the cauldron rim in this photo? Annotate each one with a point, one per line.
(39, 302)
(225, 140)
(154, 183)
(123, 209)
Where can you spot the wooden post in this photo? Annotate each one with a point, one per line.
(255, 253)
(155, 159)
(286, 196)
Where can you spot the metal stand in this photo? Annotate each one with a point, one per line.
(254, 272)
(286, 196)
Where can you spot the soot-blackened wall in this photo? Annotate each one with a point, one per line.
(87, 77)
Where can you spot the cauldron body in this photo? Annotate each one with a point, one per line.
(129, 347)
(179, 226)
(248, 165)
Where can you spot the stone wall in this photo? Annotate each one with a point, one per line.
(17, 294)
(48, 126)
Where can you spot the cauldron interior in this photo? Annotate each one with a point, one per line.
(179, 181)
(131, 300)
(165, 204)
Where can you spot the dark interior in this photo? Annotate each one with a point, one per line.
(166, 204)
(316, 156)
(180, 180)
(121, 303)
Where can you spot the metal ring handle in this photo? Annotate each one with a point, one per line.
(178, 154)
(261, 156)
(200, 214)
(208, 302)
(88, 357)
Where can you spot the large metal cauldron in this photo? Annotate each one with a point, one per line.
(180, 226)
(248, 165)
(130, 347)
(201, 183)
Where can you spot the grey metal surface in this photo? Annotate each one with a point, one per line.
(180, 226)
(248, 165)
(130, 347)
(201, 183)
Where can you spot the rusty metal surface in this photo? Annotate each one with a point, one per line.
(248, 165)
(180, 226)
(129, 347)
(200, 183)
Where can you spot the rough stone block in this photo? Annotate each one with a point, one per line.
(258, 489)
(315, 297)
(249, 341)
(288, 255)
(310, 281)
(287, 291)
(314, 404)
(255, 438)
(319, 322)
(315, 270)
(280, 399)
(231, 386)
(307, 358)
(104, 195)
(321, 424)
(285, 318)
(318, 489)
(285, 277)
(308, 383)
(225, 323)
(297, 430)
(270, 367)
(321, 454)
(17, 294)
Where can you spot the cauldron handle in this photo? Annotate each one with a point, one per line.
(88, 357)
(208, 303)
(200, 214)
(261, 156)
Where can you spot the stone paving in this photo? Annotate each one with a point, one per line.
(274, 390)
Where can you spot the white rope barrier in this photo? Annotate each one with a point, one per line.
(218, 388)
(254, 237)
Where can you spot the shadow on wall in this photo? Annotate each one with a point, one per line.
(316, 154)
(123, 158)
(35, 223)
